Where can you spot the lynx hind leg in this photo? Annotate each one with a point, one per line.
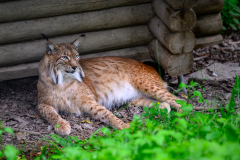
(153, 86)
(60, 125)
(147, 102)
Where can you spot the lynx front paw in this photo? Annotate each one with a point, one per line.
(125, 125)
(165, 105)
(63, 128)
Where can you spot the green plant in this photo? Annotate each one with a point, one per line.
(158, 135)
(231, 14)
(8, 151)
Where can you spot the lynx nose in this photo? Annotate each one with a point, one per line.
(74, 68)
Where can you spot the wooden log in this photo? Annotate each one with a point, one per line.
(33, 51)
(18, 71)
(75, 23)
(208, 6)
(175, 42)
(175, 65)
(182, 20)
(31, 69)
(25, 9)
(208, 41)
(181, 4)
(208, 25)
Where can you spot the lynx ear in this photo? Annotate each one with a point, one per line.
(51, 47)
(77, 41)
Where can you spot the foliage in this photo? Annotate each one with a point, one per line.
(8, 151)
(231, 14)
(158, 135)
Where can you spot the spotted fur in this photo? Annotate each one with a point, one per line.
(94, 86)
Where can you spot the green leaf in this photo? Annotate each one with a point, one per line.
(212, 136)
(193, 84)
(187, 109)
(58, 125)
(224, 28)
(231, 133)
(146, 109)
(182, 123)
(106, 131)
(182, 85)
(236, 21)
(234, 13)
(9, 130)
(233, 27)
(11, 152)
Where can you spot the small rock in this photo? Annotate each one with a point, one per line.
(50, 127)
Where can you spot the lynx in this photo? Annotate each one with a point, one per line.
(95, 85)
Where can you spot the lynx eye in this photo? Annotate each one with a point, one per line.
(77, 56)
(64, 58)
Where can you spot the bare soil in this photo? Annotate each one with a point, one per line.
(18, 99)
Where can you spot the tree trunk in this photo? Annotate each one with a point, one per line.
(181, 4)
(175, 42)
(208, 6)
(208, 25)
(176, 21)
(31, 69)
(175, 65)
(33, 51)
(32, 9)
(208, 41)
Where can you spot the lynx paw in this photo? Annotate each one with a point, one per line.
(63, 128)
(165, 105)
(125, 125)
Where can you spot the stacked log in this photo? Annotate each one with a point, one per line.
(181, 26)
(112, 28)
(209, 22)
(174, 41)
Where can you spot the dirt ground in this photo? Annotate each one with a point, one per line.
(18, 99)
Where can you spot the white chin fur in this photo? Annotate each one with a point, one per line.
(77, 76)
(61, 76)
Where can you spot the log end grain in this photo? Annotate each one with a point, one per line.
(182, 20)
(182, 42)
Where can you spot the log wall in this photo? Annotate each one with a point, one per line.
(112, 28)
(181, 26)
(164, 30)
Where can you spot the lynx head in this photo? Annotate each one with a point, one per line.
(64, 61)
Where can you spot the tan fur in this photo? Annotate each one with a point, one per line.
(96, 82)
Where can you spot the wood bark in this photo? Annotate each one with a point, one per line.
(174, 65)
(26, 9)
(208, 6)
(181, 4)
(31, 69)
(208, 41)
(75, 23)
(182, 20)
(32, 51)
(175, 42)
(208, 25)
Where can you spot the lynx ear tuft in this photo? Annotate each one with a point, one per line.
(77, 41)
(51, 47)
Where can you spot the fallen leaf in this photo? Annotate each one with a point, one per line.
(86, 121)
(184, 95)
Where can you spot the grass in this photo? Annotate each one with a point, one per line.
(154, 135)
